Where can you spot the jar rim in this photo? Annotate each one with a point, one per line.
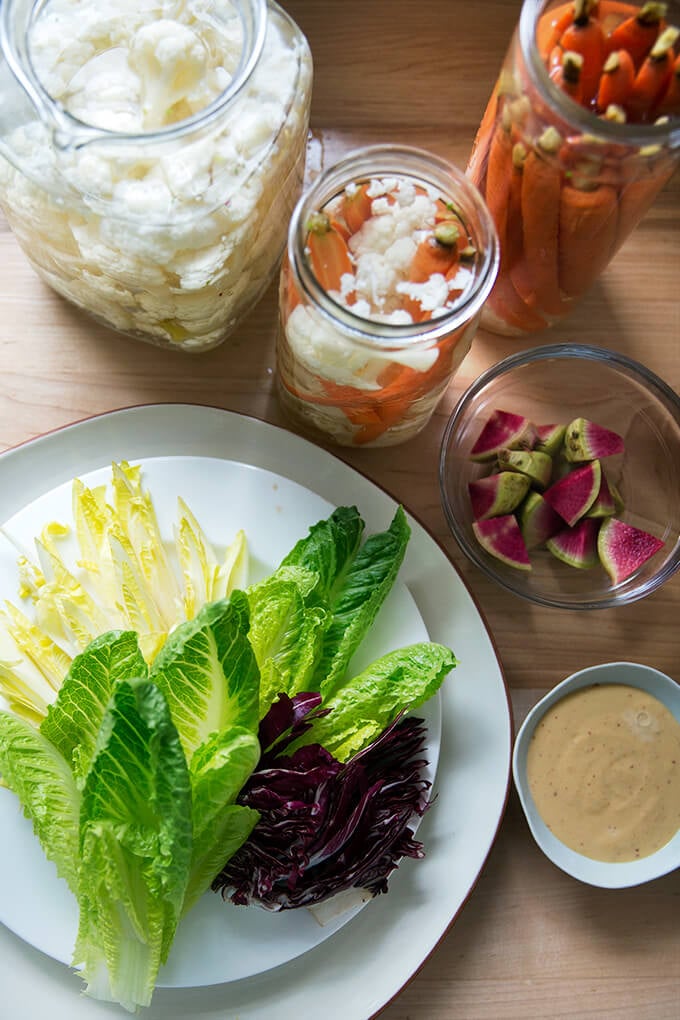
(70, 132)
(630, 134)
(395, 160)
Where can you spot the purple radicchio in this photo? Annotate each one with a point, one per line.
(326, 826)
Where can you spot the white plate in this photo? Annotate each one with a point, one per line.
(224, 495)
(356, 972)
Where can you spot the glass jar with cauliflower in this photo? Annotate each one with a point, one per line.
(151, 156)
(390, 257)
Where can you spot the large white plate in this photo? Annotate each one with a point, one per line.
(217, 942)
(363, 966)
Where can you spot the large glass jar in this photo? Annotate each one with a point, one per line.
(151, 155)
(577, 140)
(391, 254)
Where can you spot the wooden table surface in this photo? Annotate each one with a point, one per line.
(530, 942)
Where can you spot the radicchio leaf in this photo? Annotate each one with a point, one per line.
(326, 826)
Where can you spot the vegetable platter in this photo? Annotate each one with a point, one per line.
(278, 486)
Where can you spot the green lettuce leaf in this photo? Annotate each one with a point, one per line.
(42, 780)
(73, 720)
(365, 705)
(328, 549)
(287, 627)
(356, 599)
(208, 673)
(135, 839)
(219, 769)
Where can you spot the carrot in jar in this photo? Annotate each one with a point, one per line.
(437, 253)
(355, 207)
(638, 33)
(568, 75)
(328, 252)
(504, 302)
(541, 187)
(585, 36)
(616, 80)
(669, 104)
(653, 78)
(587, 234)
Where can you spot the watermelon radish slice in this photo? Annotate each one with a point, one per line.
(501, 538)
(503, 430)
(537, 521)
(623, 548)
(536, 466)
(573, 495)
(550, 438)
(585, 440)
(577, 546)
(497, 494)
(603, 505)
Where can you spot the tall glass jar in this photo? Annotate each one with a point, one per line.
(390, 257)
(151, 155)
(566, 171)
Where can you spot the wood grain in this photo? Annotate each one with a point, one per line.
(531, 942)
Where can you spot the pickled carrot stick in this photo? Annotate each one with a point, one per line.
(328, 252)
(654, 76)
(616, 80)
(669, 104)
(588, 222)
(437, 253)
(355, 207)
(498, 176)
(504, 301)
(638, 33)
(541, 187)
(586, 36)
(568, 75)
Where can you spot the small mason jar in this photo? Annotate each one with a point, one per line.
(391, 255)
(573, 148)
(151, 156)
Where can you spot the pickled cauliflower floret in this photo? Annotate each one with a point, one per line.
(169, 237)
(170, 60)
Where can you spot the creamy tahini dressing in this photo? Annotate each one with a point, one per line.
(603, 767)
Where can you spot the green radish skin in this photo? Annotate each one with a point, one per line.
(497, 494)
(537, 466)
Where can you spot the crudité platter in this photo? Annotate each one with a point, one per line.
(279, 485)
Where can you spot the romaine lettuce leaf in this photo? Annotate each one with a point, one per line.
(328, 549)
(219, 769)
(42, 780)
(208, 672)
(356, 599)
(365, 705)
(287, 627)
(73, 721)
(135, 839)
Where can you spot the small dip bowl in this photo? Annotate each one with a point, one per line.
(605, 874)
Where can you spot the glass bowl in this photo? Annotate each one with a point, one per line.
(554, 384)
(606, 874)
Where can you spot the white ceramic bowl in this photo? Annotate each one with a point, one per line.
(600, 873)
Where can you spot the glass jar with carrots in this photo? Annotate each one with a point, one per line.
(580, 134)
(391, 255)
